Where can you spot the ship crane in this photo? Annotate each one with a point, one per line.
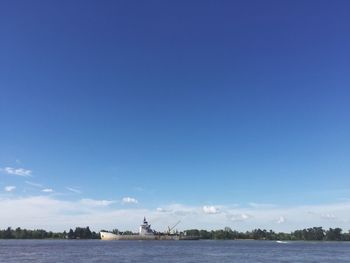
(171, 228)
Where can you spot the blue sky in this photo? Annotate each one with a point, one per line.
(179, 105)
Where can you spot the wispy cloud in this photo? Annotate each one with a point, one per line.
(74, 190)
(210, 210)
(261, 205)
(10, 188)
(180, 210)
(328, 216)
(42, 187)
(129, 200)
(281, 220)
(34, 184)
(92, 202)
(162, 210)
(17, 171)
(238, 217)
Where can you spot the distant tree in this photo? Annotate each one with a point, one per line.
(313, 233)
(95, 235)
(346, 236)
(71, 234)
(334, 234)
(82, 233)
(87, 233)
(192, 232)
(219, 234)
(8, 233)
(204, 234)
(319, 233)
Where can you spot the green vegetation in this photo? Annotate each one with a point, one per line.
(18, 233)
(82, 233)
(314, 233)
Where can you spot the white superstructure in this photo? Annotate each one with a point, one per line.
(145, 229)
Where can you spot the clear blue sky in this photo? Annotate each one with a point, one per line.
(191, 102)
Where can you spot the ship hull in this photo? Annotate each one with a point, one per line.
(111, 236)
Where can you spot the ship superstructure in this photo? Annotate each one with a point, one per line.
(145, 229)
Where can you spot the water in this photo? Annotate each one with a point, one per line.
(171, 251)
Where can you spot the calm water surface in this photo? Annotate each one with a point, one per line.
(171, 251)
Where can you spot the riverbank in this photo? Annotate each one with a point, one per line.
(308, 234)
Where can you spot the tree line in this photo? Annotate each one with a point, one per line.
(19, 233)
(314, 233)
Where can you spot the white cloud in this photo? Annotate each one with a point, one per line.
(74, 190)
(210, 209)
(261, 205)
(37, 185)
(162, 210)
(51, 213)
(94, 203)
(129, 200)
(238, 217)
(281, 220)
(58, 215)
(328, 216)
(180, 210)
(10, 188)
(17, 171)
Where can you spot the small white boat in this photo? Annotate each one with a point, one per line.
(281, 242)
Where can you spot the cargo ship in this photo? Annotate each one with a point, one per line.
(147, 233)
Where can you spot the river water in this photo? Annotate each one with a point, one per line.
(171, 251)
